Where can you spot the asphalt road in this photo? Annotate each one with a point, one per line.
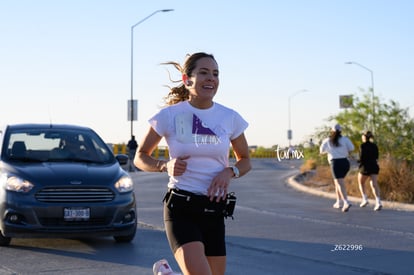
(277, 230)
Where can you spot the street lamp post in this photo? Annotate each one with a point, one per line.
(372, 90)
(289, 133)
(132, 66)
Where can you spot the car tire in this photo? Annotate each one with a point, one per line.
(126, 238)
(4, 241)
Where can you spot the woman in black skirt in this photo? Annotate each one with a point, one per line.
(338, 148)
(369, 168)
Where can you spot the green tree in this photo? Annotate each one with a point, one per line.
(392, 126)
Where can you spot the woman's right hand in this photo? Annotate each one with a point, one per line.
(177, 166)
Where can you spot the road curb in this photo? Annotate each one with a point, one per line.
(356, 200)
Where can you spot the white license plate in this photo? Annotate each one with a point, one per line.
(76, 213)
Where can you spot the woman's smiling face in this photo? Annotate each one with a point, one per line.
(203, 82)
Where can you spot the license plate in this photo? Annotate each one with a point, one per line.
(76, 213)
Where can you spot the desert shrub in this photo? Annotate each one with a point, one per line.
(321, 177)
(308, 165)
(396, 180)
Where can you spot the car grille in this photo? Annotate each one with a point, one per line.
(60, 222)
(74, 195)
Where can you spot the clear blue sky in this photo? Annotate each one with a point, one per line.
(69, 61)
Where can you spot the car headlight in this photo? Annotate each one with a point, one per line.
(17, 184)
(124, 184)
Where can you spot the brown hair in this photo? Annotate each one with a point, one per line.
(369, 136)
(334, 137)
(180, 93)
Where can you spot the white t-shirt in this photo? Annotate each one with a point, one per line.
(337, 152)
(204, 135)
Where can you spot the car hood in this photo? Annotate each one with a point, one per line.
(51, 173)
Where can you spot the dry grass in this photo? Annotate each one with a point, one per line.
(396, 180)
(310, 164)
(320, 178)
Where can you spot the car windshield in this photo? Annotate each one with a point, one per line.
(56, 145)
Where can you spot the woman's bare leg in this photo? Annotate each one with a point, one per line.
(375, 187)
(361, 185)
(217, 264)
(341, 189)
(192, 260)
(376, 192)
(340, 183)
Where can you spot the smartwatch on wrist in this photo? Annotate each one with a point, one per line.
(235, 171)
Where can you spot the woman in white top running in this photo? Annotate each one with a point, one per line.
(199, 133)
(338, 148)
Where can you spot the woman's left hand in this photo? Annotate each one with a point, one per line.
(219, 186)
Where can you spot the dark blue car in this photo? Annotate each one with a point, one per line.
(62, 181)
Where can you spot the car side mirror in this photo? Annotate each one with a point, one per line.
(122, 159)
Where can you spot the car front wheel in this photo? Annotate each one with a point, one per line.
(126, 238)
(4, 241)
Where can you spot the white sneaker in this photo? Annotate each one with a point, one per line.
(378, 207)
(337, 205)
(363, 203)
(163, 268)
(346, 207)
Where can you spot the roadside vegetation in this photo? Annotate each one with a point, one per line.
(394, 134)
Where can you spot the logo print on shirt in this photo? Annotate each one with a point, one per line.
(200, 128)
(202, 134)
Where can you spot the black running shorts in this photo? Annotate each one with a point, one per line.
(182, 228)
(340, 167)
